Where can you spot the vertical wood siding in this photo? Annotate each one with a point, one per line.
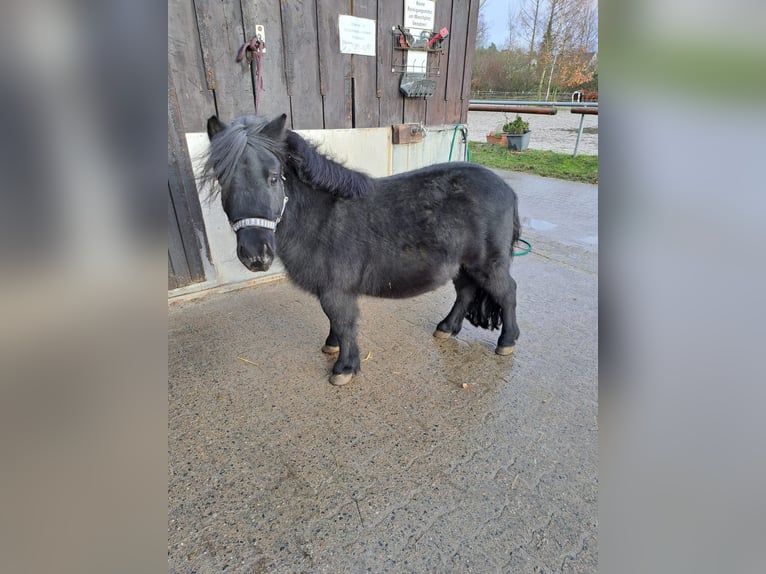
(303, 72)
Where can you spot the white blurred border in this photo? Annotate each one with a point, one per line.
(682, 207)
(83, 397)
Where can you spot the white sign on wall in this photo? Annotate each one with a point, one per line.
(417, 61)
(419, 14)
(357, 35)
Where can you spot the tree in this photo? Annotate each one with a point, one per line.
(529, 16)
(482, 28)
(575, 44)
(567, 31)
(551, 46)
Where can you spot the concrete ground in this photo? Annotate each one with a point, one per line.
(439, 457)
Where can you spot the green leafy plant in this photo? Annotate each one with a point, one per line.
(517, 126)
(498, 131)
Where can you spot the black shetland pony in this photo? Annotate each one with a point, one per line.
(341, 234)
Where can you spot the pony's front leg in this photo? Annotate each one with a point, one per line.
(342, 311)
(331, 344)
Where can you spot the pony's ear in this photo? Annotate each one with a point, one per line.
(275, 129)
(214, 126)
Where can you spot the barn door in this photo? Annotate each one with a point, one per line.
(187, 244)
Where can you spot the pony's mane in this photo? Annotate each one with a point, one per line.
(227, 147)
(311, 167)
(319, 171)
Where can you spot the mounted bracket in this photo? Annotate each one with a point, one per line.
(407, 133)
(261, 35)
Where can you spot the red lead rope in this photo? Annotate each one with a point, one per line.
(254, 50)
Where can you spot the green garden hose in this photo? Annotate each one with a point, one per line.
(464, 130)
(527, 250)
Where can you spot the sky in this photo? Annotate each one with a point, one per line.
(496, 12)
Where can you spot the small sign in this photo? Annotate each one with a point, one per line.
(357, 35)
(417, 61)
(419, 14)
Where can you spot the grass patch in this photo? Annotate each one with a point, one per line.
(582, 168)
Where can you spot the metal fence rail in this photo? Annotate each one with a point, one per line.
(532, 103)
(530, 109)
(537, 107)
(583, 111)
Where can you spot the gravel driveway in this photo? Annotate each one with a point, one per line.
(556, 133)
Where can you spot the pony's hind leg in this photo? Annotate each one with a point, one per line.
(494, 304)
(342, 311)
(502, 288)
(453, 322)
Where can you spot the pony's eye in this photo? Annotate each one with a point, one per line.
(274, 179)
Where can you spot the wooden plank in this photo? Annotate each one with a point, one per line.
(591, 111)
(273, 99)
(544, 110)
(414, 110)
(470, 48)
(181, 164)
(176, 254)
(366, 100)
(196, 102)
(172, 281)
(334, 67)
(299, 33)
(390, 13)
(456, 60)
(406, 134)
(436, 105)
(183, 192)
(221, 36)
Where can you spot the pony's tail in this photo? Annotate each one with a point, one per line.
(516, 229)
(483, 311)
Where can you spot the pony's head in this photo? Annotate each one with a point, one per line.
(246, 159)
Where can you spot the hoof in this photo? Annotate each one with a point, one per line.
(330, 350)
(341, 379)
(505, 350)
(442, 334)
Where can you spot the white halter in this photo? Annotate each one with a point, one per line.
(260, 221)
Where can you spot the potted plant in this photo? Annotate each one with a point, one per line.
(496, 136)
(517, 133)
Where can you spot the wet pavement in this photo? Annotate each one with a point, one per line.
(439, 457)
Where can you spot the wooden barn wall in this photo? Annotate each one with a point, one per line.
(303, 74)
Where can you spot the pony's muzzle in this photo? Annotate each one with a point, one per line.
(256, 248)
(258, 259)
